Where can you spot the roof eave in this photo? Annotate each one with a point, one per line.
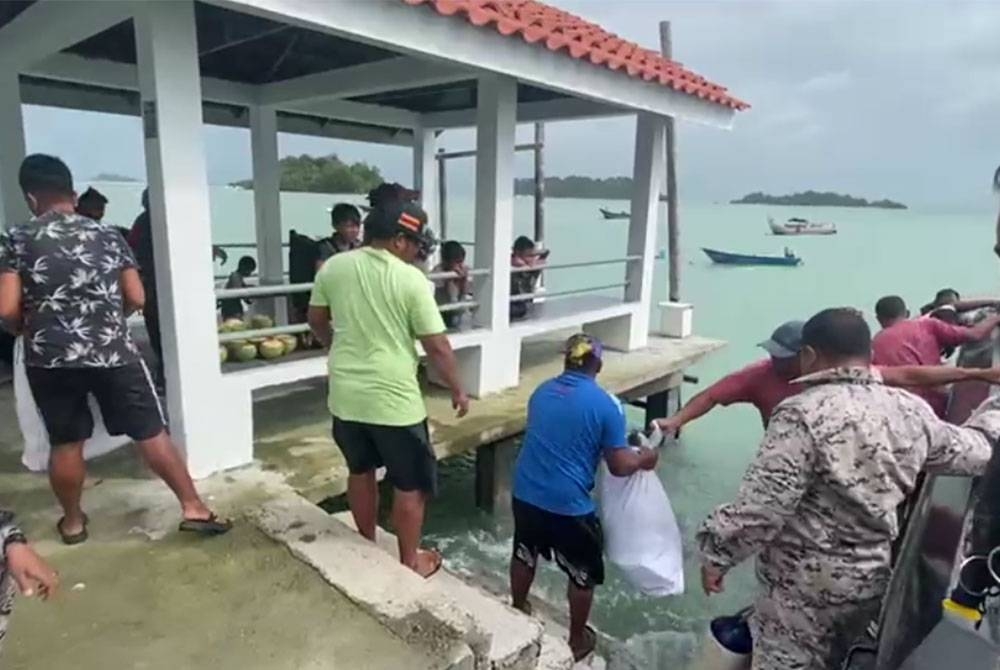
(413, 31)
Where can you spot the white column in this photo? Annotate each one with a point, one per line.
(425, 173)
(12, 207)
(495, 130)
(211, 426)
(498, 361)
(267, 205)
(647, 175)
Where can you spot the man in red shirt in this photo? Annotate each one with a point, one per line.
(766, 383)
(906, 341)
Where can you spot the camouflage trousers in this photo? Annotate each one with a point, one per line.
(6, 602)
(793, 631)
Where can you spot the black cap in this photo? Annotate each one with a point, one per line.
(785, 341)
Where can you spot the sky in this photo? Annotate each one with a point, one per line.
(877, 99)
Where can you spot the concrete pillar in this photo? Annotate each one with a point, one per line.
(647, 174)
(425, 175)
(213, 429)
(495, 476)
(267, 207)
(12, 207)
(495, 134)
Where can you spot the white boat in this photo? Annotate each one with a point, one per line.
(797, 226)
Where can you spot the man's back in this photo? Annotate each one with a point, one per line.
(849, 449)
(379, 306)
(758, 384)
(916, 342)
(571, 419)
(70, 268)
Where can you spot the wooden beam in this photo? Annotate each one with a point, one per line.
(673, 222)
(46, 28)
(366, 79)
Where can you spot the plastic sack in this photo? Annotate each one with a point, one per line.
(35, 456)
(640, 532)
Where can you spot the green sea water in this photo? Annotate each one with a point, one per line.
(876, 252)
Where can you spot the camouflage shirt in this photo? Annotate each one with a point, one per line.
(819, 502)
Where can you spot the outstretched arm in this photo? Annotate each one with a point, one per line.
(698, 406)
(936, 375)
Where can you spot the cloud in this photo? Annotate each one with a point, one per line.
(828, 82)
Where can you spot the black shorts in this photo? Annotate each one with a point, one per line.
(125, 394)
(405, 451)
(576, 542)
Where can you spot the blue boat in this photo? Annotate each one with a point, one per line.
(789, 259)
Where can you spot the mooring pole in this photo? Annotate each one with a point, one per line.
(442, 196)
(673, 223)
(540, 184)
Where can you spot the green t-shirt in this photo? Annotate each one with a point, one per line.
(379, 306)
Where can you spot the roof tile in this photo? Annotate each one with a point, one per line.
(580, 39)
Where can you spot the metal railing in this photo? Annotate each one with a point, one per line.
(237, 335)
(579, 264)
(524, 297)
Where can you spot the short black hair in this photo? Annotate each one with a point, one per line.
(92, 197)
(246, 264)
(343, 212)
(838, 332)
(386, 193)
(946, 296)
(524, 243)
(41, 174)
(452, 252)
(890, 307)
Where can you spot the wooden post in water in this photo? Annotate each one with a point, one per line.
(540, 183)
(673, 224)
(442, 195)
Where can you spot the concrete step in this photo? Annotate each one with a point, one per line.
(516, 641)
(411, 607)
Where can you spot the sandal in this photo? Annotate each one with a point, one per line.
(591, 636)
(209, 527)
(75, 538)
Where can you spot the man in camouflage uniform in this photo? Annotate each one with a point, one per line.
(819, 503)
(21, 569)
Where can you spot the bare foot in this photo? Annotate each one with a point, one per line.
(524, 607)
(427, 563)
(584, 647)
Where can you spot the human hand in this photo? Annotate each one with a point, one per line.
(460, 403)
(30, 571)
(712, 579)
(989, 375)
(668, 426)
(650, 457)
(462, 270)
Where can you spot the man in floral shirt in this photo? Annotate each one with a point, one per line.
(66, 284)
(21, 569)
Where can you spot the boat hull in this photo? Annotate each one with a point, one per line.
(801, 228)
(727, 258)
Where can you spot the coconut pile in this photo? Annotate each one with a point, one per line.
(252, 348)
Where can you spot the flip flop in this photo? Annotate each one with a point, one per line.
(209, 527)
(76, 538)
(591, 636)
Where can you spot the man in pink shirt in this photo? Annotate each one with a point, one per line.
(905, 341)
(766, 383)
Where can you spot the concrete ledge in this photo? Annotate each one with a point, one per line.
(404, 603)
(516, 639)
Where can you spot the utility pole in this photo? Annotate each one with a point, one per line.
(673, 224)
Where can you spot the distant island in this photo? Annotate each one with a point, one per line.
(112, 177)
(815, 199)
(573, 186)
(323, 174)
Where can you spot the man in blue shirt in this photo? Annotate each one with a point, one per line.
(572, 423)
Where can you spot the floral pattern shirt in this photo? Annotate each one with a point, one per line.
(70, 268)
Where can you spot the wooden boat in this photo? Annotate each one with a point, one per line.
(727, 258)
(797, 226)
(609, 215)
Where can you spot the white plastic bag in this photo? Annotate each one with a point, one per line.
(35, 456)
(640, 532)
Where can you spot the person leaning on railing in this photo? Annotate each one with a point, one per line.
(448, 291)
(525, 254)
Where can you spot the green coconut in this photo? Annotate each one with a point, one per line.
(272, 348)
(244, 353)
(259, 321)
(290, 341)
(232, 326)
(223, 354)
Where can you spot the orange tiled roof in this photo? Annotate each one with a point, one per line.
(558, 31)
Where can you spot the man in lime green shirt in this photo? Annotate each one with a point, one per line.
(380, 303)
